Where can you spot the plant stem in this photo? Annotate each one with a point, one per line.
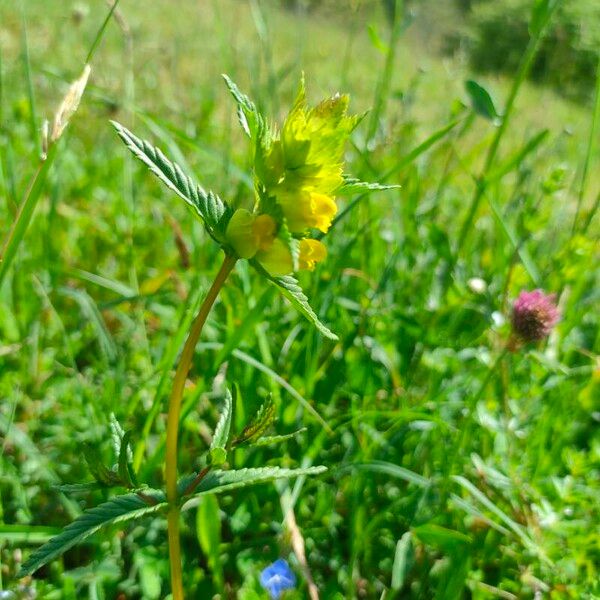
(183, 368)
(523, 71)
(19, 227)
(466, 426)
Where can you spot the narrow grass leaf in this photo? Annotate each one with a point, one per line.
(483, 499)
(19, 228)
(516, 158)
(208, 532)
(380, 466)
(402, 561)
(277, 378)
(27, 534)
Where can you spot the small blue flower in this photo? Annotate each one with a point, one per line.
(277, 578)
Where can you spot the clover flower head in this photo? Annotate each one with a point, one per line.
(534, 315)
(277, 577)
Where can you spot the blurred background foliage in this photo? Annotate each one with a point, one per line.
(113, 267)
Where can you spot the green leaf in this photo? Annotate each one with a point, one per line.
(387, 468)
(218, 482)
(291, 242)
(276, 439)
(208, 530)
(516, 158)
(540, 15)
(218, 452)
(402, 561)
(17, 232)
(76, 488)
(20, 533)
(149, 569)
(117, 432)
(510, 523)
(117, 510)
(481, 101)
(291, 289)
(99, 471)
(352, 185)
(207, 205)
(251, 120)
(259, 424)
(448, 540)
(125, 470)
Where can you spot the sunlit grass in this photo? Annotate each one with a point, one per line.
(112, 270)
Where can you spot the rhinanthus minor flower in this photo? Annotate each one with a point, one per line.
(296, 174)
(534, 315)
(277, 577)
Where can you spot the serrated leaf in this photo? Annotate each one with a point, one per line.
(259, 424)
(117, 433)
(291, 289)
(221, 435)
(276, 439)
(119, 509)
(99, 471)
(250, 119)
(481, 101)
(293, 245)
(218, 482)
(207, 205)
(125, 470)
(352, 185)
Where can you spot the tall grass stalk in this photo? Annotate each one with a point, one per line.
(17, 232)
(588, 158)
(521, 76)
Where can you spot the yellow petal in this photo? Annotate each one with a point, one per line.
(277, 260)
(248, 233)
(264, 228)
(304, 209)
(311, 252)
(324, 209)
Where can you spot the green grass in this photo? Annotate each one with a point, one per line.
(112, 268)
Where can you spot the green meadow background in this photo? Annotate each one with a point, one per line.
(454, 470)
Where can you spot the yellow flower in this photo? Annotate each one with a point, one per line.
(277, 259)
(313, 143)
(304, 209)
(297, 172)
(248, 233)
(311, 252)
(301, 168)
